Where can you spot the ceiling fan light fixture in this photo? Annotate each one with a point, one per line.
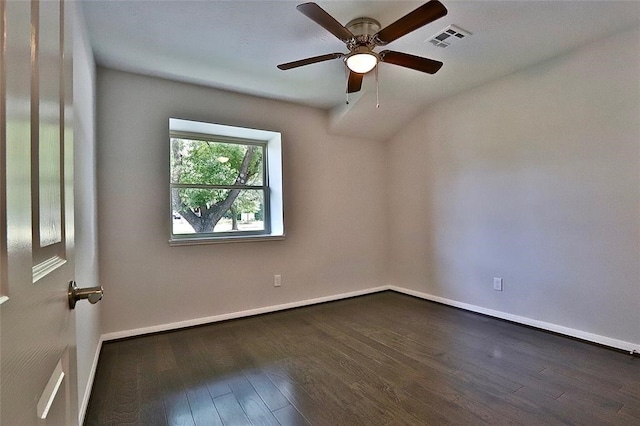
(361, 60)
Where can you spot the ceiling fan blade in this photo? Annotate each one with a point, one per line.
(326, 21)
(309, 61)
(421, 16)
(417, 63)
(354, 83)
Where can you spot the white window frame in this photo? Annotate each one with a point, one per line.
(274, 210)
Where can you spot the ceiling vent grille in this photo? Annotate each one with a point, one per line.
(449, 35)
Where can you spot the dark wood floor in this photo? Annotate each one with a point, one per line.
(381, 359)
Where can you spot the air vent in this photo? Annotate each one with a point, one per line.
(448, 36)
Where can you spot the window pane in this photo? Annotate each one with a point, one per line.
(215, 163)
(217, 210)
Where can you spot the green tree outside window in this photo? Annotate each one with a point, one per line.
(218, 181)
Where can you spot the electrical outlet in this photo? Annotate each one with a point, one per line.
(277, 280)
(497, 284)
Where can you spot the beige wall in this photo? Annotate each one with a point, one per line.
(335, 209)
(534, 178)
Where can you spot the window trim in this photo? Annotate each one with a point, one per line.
(271, 185)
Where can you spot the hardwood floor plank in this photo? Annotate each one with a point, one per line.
(316, 410)
(150, 390)
(632, 412)
(207, 368)
(163, 354)
(451, 409)
(400, 406)
(193, 376)
(124, 404)
(202, 407)
(289, 416)
(269, 393)
(583, 389)
(580, 411)
(176, 404)
(218, 387)
(253, 406)
(99, 409)
(230, 410)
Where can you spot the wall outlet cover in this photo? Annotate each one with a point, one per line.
(497, 284)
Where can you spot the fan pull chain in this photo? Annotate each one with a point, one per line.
(346, 90)
(377, 89)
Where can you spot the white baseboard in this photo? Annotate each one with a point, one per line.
(235, 315)
(583, 335)
(591, 337)
(87, 392)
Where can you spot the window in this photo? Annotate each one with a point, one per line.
(226, 183)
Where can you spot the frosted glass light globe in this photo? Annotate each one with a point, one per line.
(361, 63)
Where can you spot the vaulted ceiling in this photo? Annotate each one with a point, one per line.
(236, 45)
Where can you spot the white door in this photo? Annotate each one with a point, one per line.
(37, 328)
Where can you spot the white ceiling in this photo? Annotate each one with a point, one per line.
(236, 45)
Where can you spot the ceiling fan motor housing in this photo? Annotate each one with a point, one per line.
(363, 30)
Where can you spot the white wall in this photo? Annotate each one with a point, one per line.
(86, 227)
(335, 209)
(534, 178)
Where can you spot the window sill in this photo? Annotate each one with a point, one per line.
(176, 242)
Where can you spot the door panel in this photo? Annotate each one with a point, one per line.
(48, 138)
(37, 328)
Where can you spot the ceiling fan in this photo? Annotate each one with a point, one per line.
(362, 35)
